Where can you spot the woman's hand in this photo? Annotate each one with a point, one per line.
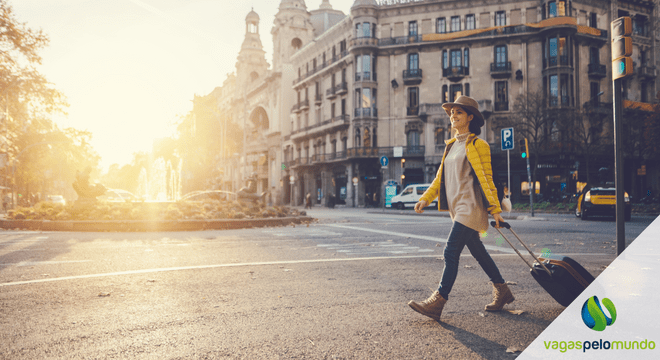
(419, 207)
(498, 218)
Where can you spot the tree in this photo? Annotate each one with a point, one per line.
(532, 119)
(589, 133)
(49, 156)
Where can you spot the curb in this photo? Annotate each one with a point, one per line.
(149, 226)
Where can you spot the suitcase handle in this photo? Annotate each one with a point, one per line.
(502, 224)
(506, 225)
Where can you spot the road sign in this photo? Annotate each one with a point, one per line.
(397, 151)
(507, 139)
(384, 161)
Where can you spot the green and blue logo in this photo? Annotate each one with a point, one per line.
(594, 316)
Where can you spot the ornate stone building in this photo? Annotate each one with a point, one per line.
(346, 90)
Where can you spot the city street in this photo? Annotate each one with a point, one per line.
(334, 289)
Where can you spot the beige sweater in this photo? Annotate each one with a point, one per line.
(466, 202)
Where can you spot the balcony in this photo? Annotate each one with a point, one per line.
(402, 40)
(500, 70)
(645, 72)
(295, 108)
(330, 93)
(304, 105)
(412, 76)
(366, 113)
(454, 73)
(501, 106)
(365, 76)
(367, 42)
(341, 88)
(412, 110)
(556, 61)
(318, 99)
(597, 71)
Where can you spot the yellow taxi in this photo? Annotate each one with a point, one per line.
(600, 201)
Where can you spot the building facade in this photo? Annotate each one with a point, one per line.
(346, 90)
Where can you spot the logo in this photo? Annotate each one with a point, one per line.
(593, 315)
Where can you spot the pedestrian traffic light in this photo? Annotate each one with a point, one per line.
(622, 49)
(523, 151)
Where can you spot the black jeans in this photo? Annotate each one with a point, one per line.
(460, 236)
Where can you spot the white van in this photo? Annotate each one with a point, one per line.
(410, 196)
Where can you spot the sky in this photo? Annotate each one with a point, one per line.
(130, 68)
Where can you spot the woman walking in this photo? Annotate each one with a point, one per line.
(464, 187)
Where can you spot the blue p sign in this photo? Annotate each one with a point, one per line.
(507, 139)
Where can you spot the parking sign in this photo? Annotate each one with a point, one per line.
(507, 139)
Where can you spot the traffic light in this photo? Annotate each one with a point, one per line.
(622, 49)
(403, 163)
(523, 148)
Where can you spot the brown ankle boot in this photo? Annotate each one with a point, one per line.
(501, 296)
(431, 307)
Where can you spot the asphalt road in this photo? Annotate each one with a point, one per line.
(335, 289)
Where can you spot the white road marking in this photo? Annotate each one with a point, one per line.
(266, 263)
(421, 237)
(32, 263)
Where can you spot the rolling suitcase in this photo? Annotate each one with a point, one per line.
(563, 279)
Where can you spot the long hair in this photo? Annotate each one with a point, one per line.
(473, 128)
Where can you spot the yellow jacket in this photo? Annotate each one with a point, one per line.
(478, 155)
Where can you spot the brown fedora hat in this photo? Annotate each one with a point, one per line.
(468, 104)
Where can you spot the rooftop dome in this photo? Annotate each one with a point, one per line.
(252, 16)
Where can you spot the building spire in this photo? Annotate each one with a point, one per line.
(325, 5)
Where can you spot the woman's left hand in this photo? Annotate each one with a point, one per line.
(498, 218)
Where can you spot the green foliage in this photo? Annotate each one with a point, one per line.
(206, 210)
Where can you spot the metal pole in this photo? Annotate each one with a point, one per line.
(531, 186)
(618, 169)
(508, 171)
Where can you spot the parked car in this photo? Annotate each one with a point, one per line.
(219, 195)
(118, 195)
(600, 201)
(410, 196)
(56, 199)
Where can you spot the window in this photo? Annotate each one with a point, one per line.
(594, 88)
(358, 139)
(413, 97)
(645, 91)
(565, 96)
(455, 58)
(467, 89)
(367, 137)
(500, 54)
(639, 25)
(469, 22)
(455, 90)
(466, 61)
(343, 106)
(407, 191)
(445, 61)
(455, 23)
(413, 138)
(358, 30)
(594, 56)
(413, 61)
(593, 20)
(552, 9)
(501, 96)
(445, 94)
(421, 190)
(500, 18)
(441, 26)
(366, 98)
(332, 111)
(554, 90)
(366, 29)
(412, 28)
(439, 136)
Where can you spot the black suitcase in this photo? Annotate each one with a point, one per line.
(563, 279)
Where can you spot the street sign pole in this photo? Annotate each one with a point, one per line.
(618, 169)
